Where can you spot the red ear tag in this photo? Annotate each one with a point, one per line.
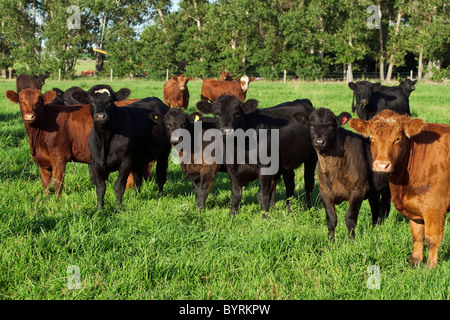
(344, 120)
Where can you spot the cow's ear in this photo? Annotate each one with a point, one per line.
(343, 118)
(174, 78)
(204, 107)
(360, 126)
(58, 91)
(250, 105)
(400, 81)
(49, 96)
(122, 94)
(413, 127)
(12, 96)
(415, 81)
(251, 79)
(376, 86)
(352, 85)
(156, 117)
(190, 78)
(237, 79)
(80, 95)
(301, 117)
(194, 117)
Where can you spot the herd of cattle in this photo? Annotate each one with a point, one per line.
(392, 157)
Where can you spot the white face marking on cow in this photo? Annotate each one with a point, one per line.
(103, 91)
(244, 83)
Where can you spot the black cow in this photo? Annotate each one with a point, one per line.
(345, 170)
(67, 98)
(406, 86)
(27, 81)
(200, 174)
(231, 114)
(124, 139)
(370, 100)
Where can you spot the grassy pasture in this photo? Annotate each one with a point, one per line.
(162, 248)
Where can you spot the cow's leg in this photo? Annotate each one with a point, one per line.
(120, 184)
(374, 202)
(264, 193)
(46, 177)
(434, 233)
(351, 216)
(58, 175)
(162, 162)
(309, 169)
(385, 203)
(236, 195)
(98, 177)
(207, 175)
(417, 232)
(289, 182)
(330, 212)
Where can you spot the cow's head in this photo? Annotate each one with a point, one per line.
(178, 119)
(362, 92)
(59, 96)
(181, 81)
(323, 126)
(408, 84)
(101, 99)
(389, 135)
(225, 76)
(228, 111)
(244, 81)
(42, 78)
(31, 102)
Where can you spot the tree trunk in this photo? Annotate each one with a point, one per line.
(349, 72)
(381, 45)
(392, 57)
(420, 68)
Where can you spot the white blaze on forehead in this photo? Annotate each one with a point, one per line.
(244, 83)
(103, 91)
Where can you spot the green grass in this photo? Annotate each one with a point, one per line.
(162, 248)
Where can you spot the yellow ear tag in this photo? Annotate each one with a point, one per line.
(155, 116)
(196, 118)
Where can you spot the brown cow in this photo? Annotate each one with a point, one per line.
(176, 92)
(25, 81)
(415, 157)
(225, 75)
(213, 89)
(57, 133)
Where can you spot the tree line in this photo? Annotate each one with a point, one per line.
(308, 38)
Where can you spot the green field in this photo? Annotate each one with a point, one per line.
(162, 248)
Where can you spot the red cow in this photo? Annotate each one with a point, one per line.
(57, 133)
(225, 75)
(176, 92)
(415, 157)
(213, 89)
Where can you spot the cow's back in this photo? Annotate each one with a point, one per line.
(281, 117)
(213, 89)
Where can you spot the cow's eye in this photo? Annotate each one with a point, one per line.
(397, 140)
(236, 115)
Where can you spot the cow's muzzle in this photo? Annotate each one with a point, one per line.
(101, 117)
(29, 117)
(382, 166)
